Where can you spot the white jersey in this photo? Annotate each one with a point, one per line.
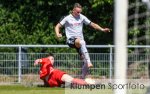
(74, 25)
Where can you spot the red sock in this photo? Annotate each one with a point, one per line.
(78, 81)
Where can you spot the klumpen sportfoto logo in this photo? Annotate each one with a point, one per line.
(108, 86)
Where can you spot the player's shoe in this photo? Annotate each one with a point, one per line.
(89, 65)
(90, 81)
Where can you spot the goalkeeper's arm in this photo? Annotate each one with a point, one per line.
(37, 61)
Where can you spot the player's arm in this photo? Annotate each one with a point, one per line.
(37, 61)
(97, 27)
(46, 84)
(43, 72)
(57, 30)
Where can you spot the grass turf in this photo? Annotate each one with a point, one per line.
(18, 89)
(21, 89)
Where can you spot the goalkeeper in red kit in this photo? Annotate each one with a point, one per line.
(54, 77)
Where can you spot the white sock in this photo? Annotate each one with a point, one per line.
(85, 52)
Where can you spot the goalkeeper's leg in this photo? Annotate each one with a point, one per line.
(69, 79)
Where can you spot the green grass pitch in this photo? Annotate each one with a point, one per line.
(21, 89)
(18, 89)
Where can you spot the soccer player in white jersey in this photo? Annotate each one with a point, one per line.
(73, 24)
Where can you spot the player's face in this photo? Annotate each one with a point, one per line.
(51, 59)
(77, 11)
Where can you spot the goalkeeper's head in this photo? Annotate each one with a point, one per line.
(50, 54)
(51, 57)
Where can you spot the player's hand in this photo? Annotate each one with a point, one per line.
(36, 62)
(59, 35)
(106, 30)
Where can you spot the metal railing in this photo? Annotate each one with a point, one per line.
(12, 66)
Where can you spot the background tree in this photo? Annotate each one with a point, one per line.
(33, 21)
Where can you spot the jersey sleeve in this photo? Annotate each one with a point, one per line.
(63, 21)
(43, 70)
(86, 20)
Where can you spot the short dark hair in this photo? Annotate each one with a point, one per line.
(50, 54)
(77, 5)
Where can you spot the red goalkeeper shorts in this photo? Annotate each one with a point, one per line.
(54, 79)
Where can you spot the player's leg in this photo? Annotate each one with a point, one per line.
(75, 43)
(85, 71)
(70, 79)
(81, 45)
(85, 68)
(83, 50)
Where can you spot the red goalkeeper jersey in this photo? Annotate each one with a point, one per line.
(46, 68)
(49, 74)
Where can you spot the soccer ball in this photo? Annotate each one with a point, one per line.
(90, 81)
